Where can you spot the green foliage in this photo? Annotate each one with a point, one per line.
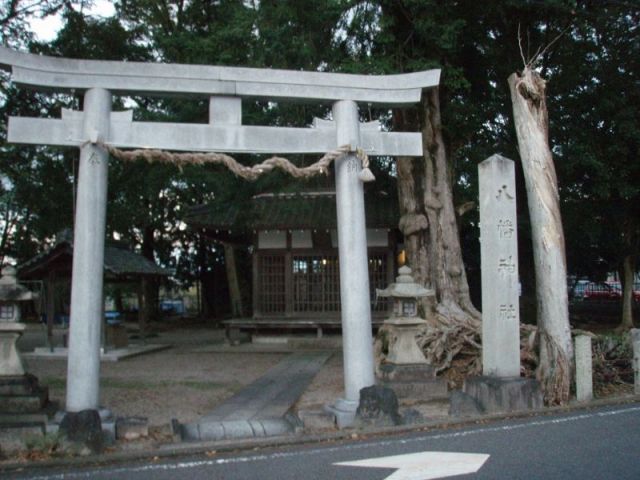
(593, 95)
(46, 444)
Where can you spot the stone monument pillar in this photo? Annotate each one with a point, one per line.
(357, 338)
(584, 368)
(500, 389)
(635, 343)
(499, 259)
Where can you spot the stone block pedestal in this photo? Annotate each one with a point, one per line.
(22, 394)
(503, 395)
(413, 381)
(22, 411)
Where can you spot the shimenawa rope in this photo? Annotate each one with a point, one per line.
(248, 173)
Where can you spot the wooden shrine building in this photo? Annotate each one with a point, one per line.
(295, 250)
(53, 268)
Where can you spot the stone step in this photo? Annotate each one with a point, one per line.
(314, 420)
(428, 410)
(17, 430)
(424, 390)
(31, 403)
(18, 385)
(9, 419)
(418, 372)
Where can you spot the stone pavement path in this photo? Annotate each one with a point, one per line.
(262, 408)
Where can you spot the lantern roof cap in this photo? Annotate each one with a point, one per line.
(10, 289)
(405, 287)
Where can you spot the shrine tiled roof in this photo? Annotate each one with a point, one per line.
(118, 261)
(309, 210)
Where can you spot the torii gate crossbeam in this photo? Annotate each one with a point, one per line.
(225, 87)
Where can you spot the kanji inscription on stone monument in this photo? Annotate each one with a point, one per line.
(499, 256)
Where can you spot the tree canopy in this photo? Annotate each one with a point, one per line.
(592, 69)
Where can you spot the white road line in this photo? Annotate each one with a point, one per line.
(342, 448)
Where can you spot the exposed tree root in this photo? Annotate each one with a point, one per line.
(455, 350)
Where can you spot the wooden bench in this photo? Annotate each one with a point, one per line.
(253, 324)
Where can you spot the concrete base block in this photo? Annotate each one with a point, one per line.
(344, 412)
(427, 390)
(14, 437)
(504, 395)
(131, 428)
(390, 372)
(22, 394)
(317, 419)
(236, 429)
(416, 381)
(83, 428)
(464, 405)
(378, 407)
(235, 336)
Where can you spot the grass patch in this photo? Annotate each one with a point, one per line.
(54, 382)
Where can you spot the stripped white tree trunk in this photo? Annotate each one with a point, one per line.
(531, 122)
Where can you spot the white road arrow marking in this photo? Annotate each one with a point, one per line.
(424, 465)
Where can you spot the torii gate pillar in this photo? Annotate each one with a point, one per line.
(357, 339)
(83, 367)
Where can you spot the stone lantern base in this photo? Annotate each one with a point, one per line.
(413, 381)
(406, 370)
(20, 394)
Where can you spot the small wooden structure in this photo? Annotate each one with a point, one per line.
(296, 275)
(53, 268)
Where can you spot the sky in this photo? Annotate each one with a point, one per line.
(47, 28)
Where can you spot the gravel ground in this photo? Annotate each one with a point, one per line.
(183, 382)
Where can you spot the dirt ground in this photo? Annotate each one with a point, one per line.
(183, 382)
(197, 373)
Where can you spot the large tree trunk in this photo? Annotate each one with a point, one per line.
(235, 297)
(531, 122)
(428, 223)
(628, 270)
(151, 285)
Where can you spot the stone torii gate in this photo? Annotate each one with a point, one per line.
(225, 87)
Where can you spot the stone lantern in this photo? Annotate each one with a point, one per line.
(11, 294)
(404, 324)
(20, 393)
(406, 369)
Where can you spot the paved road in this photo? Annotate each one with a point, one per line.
(602, 443)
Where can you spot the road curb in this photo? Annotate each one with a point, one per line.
(159, 452)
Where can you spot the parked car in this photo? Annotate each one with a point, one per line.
(577, 289)
(602, 291)
(607, 291)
